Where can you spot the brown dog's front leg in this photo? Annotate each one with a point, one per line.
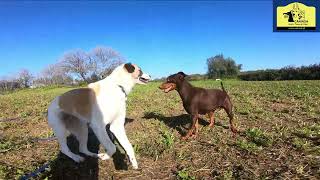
(193, 127)
(233, 129)
(211, 115)
(197, 127)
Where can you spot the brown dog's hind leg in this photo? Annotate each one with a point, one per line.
(193, 127)
(233, 129)
(228, 108)
(211, 115)
(196, 131)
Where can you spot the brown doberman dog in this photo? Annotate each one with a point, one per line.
(199, 101)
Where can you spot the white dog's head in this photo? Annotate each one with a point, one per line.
(129, 74)
(136, 73)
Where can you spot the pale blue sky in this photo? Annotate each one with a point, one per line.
(161, 37)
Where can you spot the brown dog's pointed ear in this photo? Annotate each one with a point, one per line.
(182, 75)
(129, 67)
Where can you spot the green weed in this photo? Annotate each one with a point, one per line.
(247, 146)
(228, 175)
(184, 175)
(301, 143)
(168, 139)
(258, 137)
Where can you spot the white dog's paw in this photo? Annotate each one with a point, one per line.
(134, 163)
(103, 156)
(135, 166)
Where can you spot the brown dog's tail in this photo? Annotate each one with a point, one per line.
(221, 84)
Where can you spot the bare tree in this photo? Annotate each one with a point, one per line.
(93, 65)
(53, 74)
(77, 62)
(24, 78)
(104, 60)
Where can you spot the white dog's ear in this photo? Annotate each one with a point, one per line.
(129, 67)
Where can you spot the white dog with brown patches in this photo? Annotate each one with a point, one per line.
(102, 103)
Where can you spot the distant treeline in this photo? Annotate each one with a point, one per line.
(190, 77)
(9, 85)
(311, 72)
(79, 67)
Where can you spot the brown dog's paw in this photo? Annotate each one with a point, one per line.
(194, 136)
(184, 137)
(234, 130)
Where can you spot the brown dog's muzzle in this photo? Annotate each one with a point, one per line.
(166, 87)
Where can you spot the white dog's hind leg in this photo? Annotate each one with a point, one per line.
(65, 150)
(80, 130)
(99, 130)
(60, 130)
(117, 128)
(61, 133)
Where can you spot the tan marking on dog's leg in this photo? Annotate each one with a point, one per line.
(211, 115)
(194, 121)
(196, 131)
(233, 129)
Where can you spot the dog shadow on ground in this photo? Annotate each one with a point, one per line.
(181, 123)
(65, 168)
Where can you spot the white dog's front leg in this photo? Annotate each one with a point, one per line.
(117, 128)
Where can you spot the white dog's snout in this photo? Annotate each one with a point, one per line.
(146, 76)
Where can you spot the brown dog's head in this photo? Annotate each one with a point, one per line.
(172, 82)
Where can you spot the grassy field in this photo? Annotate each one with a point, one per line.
(279, 124)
